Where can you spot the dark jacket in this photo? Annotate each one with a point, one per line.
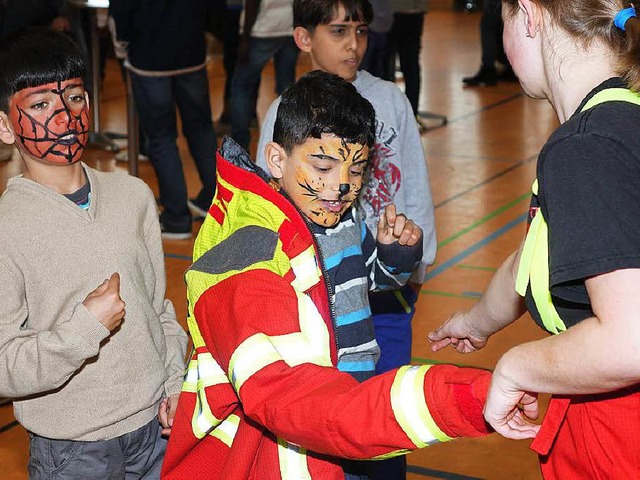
(163, 35)
(15, 14)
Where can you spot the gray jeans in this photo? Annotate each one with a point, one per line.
(136, 455)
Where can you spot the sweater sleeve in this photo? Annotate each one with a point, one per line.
(174, 334)
(418, 198)
(266, 134)
(388, 266)
(37, 361)
(274, 352)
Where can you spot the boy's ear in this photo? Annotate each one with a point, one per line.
(275, 156)
(6, 133)
(302, 37)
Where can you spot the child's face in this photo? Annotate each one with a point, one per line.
(51, 122)
(338, 47)
(323, 177)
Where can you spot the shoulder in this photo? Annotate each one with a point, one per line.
(123, 185)
(371, 87)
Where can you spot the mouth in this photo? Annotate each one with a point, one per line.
(334, 206)
(67, 139)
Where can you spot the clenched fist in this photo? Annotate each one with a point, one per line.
(105, 303)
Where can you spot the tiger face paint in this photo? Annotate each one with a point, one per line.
(323, 177)
(51, 121)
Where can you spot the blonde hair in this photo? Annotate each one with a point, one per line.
(589, 20)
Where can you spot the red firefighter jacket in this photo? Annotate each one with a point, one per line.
(262, 398)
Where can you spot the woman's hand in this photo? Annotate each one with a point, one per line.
(510, 410)
(458, 331)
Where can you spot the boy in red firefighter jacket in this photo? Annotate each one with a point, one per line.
(263, 397)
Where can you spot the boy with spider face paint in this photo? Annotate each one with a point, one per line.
(90, 348)
(281, 380)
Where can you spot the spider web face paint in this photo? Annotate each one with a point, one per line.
(51, 121)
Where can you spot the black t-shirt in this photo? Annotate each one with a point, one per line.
(589, 193)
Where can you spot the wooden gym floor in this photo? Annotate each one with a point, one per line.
(481, 166)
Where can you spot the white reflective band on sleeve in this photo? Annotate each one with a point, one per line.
(203, 372)
(227, 430)
(310, 345)
(293, 461)
(410, 407)
(306, 270)
(252, 355)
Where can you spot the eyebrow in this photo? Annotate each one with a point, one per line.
(324, 156)
(49, 90)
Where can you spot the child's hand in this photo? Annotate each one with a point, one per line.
(166, 412)
(105, 303)
(394, 227)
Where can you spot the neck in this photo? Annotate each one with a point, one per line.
(63, 179)
(575, 74)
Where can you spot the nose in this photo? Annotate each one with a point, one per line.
(344, 189)
(352, 40)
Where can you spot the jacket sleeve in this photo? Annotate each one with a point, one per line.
(174, 334)
(37, 361)
(122, 15)
(274, 347)
(388, 266)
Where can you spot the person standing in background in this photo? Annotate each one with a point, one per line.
(267, 33)
(165, 48)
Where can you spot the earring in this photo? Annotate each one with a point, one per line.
(528, 35)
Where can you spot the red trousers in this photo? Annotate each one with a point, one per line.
(591, 437)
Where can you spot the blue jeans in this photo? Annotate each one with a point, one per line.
(246, 78)
(156, 100)
(392, 322)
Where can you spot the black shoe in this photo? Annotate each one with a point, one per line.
(484, 78)
(172, 230)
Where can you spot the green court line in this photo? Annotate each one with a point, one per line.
(431, 361)
(448, 294)
(476, 267)
(483, 220)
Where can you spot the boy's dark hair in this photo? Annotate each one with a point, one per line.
(36, 56)
(311, 13)
(320, 102)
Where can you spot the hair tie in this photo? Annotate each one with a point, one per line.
(622, 16)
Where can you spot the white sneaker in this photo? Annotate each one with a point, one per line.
(197, 212)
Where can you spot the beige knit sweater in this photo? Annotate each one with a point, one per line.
(70, 378)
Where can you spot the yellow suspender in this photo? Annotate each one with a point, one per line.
(533, 269)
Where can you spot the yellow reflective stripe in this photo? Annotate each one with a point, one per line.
(393, 454)
(293, 461)
(612, 95)
(306, 270)
(226, 431)
(410, 407)
(190, 383)
(310, 345)
(539, 277)
(527, 255)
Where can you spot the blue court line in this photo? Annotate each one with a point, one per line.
(428, 472)
(178, 257)
(475, 247)
(472, 294)
(486, 181)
